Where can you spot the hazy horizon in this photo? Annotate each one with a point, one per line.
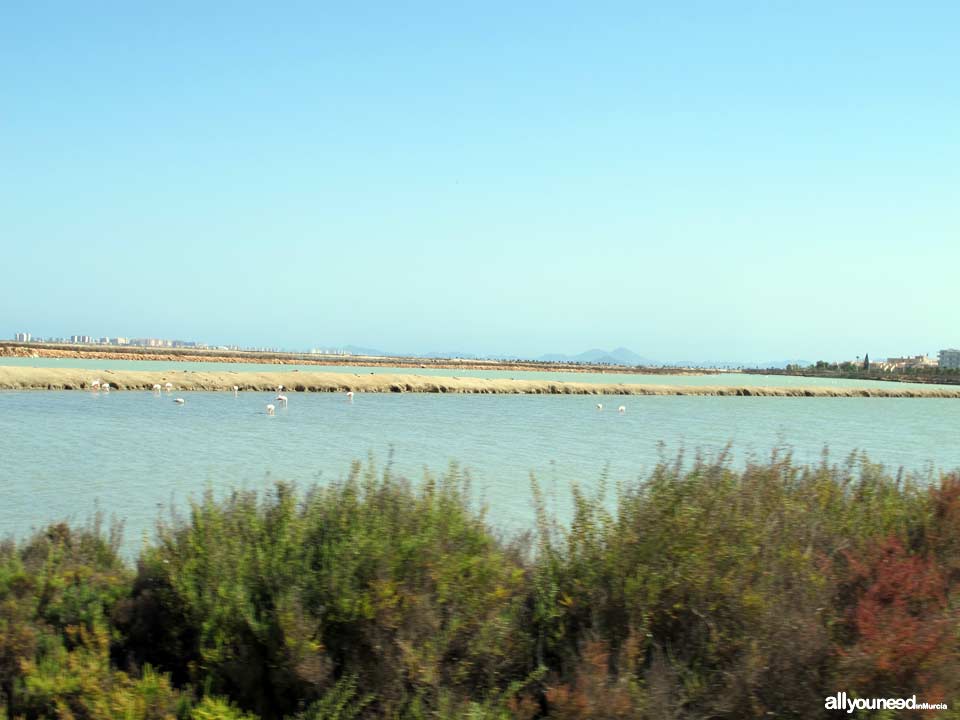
(648, 358)
(737, 183)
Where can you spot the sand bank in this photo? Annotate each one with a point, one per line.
(87, 352)
(27, 378)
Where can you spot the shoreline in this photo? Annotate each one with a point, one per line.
(927, 379)
(94, 352)
(29, 378)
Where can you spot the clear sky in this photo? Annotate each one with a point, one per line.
(697, 180)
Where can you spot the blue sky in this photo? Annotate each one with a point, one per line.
(715, 181)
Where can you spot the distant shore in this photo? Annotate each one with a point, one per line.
(929, 376)
(96, 352)
(29, 378)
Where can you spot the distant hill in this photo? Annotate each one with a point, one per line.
(451, 354)
(596, 356)
(619, 356)
(369, 352)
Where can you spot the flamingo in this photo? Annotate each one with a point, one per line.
(279, 389)
(179, 401)
(271, 410)
(157, 388)
(236, 389)
(350, 395)
(282, 399)
(599, 406)
(105, 387)
(95, 385)
(169, 386)
(622, 409)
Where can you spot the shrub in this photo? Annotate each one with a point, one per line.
(702, 591)
(270, 600)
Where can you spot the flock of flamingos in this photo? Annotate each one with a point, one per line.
(98, 386)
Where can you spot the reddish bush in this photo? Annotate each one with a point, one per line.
(593, 694)
(943, 533)
(900, 623)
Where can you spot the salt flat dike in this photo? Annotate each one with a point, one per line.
(27, 378)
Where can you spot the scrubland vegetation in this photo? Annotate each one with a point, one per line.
(702, 591)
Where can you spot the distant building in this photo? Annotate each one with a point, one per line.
(151, 342)
(22, 337)
(327, 351)
(915, 362)
(950, 359)
(81, 339)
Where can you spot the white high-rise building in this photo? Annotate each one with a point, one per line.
(22, 337)
(950, 359)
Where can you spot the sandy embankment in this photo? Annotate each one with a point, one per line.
(88, 352)
(27, 378)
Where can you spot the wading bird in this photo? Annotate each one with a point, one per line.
(350, 395)
(157, 388)
(169, 386)
(271, 410)
(179, 401)
(622, 409)
(282, 399)
(599, 406)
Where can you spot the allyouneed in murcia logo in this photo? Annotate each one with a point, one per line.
(842, 701)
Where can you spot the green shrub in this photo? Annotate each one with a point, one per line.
(701, 591)
(713, 588)
(271, 599)
(214, 708)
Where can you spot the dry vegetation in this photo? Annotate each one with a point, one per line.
(29, 378)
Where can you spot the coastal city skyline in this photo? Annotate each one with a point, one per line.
(945, 358)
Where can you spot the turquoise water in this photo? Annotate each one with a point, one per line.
(611, 377)
(133, 454)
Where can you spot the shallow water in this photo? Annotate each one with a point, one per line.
(131, 454)
(726, 378)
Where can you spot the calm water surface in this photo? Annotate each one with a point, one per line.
(132, 454)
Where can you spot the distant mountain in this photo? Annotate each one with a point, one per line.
(595, 356)
(623, 356)
(369, 352)
(619, 356)
(449, 355)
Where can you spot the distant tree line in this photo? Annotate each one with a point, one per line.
(825, 368)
